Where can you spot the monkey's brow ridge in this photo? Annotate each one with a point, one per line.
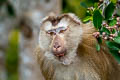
(57, 30)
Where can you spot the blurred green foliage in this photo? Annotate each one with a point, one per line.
(78, 7)
(9, 7)
(12, 56)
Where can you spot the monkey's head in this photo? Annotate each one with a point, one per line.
(59, 38)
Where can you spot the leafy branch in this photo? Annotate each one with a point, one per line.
(107, 23)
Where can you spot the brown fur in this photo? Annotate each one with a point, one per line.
(88, 64)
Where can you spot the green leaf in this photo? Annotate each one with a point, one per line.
(96, 5)
(109, 11)
(97, 19)
(112, 22)
(113, 31)
(119, 33)
(117, 39)
(115, 54)
(88, 18)
(118, 11)
(114, 1)
(114, 48)
(112, 45)
(99, 39)
(104, 29)
(97, 47)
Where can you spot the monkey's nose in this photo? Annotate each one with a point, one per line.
(57, 45)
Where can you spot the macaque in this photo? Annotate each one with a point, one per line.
(67, 51)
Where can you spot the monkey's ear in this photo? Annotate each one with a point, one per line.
(50, 17)
(72, 16)
(45, 23)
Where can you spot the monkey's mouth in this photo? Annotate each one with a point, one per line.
(60, 54)
(62, 57)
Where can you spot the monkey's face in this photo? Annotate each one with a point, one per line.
(59, 40)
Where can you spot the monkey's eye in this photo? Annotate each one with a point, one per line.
(62, 29)
(51, 32)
